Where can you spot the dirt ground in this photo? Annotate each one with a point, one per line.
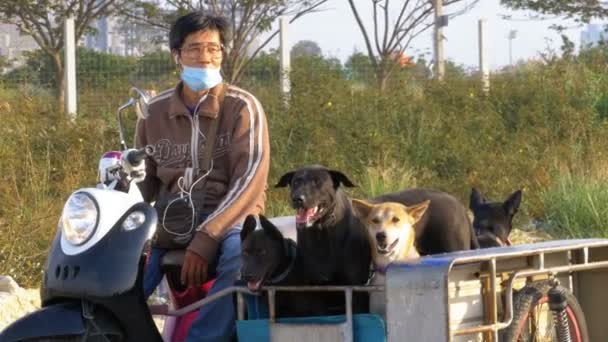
(14, 305)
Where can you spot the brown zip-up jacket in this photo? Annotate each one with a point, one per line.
(237, 182)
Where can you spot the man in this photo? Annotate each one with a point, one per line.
(177, 120)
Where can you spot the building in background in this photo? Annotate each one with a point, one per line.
(13, 44)
(117, 36)
(593, 34)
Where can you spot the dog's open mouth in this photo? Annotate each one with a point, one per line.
(306, 217)
(388, 249)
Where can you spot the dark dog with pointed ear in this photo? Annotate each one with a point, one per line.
(493, 220)
(267, 258)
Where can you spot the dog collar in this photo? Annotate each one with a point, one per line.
(290, 247)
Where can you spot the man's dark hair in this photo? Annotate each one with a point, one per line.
(197, 21)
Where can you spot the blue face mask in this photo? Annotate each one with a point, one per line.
(199, 79)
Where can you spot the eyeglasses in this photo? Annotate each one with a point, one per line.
(197, 50)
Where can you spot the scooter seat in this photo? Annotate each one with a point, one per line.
(173, 258)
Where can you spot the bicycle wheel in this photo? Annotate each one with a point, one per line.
(533, 320)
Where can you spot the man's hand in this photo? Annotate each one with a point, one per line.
(194, 270)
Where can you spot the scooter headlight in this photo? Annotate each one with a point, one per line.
(134, 220)
(79, 218)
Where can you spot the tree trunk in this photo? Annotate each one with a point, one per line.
(59, 81)
(382, 83)
(231, 69)
(381, 76)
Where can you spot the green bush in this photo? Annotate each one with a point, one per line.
(577, 206)
(44, 158)
(537, 121)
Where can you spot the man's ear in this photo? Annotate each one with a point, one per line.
(248, 227)
(270, 228)
(361, 209)
(476, 200)
(511, 205)
(338, 178)
(285, 180)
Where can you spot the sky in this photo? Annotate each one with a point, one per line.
(337, 33)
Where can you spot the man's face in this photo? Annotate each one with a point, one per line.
(202, 49)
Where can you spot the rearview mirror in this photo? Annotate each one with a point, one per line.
(141, 100)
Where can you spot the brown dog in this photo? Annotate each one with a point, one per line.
(390, 228)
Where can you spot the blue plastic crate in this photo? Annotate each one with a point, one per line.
(366, 327)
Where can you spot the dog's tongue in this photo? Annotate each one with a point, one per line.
(305, 215)
(254, 285)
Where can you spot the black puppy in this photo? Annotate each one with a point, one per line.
(267, 258)
(493, 220)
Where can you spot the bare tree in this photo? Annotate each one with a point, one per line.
(43, 21)
(391, 36)
(250, 18)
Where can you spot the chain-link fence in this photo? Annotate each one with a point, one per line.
(103, 79)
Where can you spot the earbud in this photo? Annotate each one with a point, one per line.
(176, 59)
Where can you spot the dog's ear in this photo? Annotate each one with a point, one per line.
(418, 210)
(361, 209)
(248, 227)
(270, 228)
(476, 199)
(511, 205)
(338, 178)
(285, 180)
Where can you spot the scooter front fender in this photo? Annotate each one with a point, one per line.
(58, 320)
(62, 319)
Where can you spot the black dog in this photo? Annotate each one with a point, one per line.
(493, 220)
(332, 243)
(267, 258)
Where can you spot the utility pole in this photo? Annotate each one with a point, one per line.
(285, 60)
(484, 67)
(70, 68)
(440, 22)
(512, 35)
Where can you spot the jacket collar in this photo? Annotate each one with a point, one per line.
(210, 106)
